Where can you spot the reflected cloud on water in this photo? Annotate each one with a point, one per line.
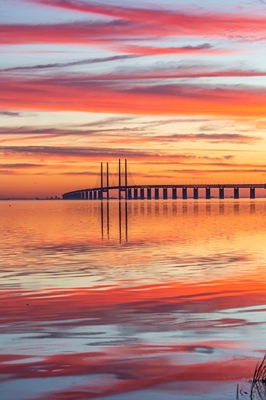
(129, 300)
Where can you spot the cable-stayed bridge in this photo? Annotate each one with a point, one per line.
(128, 191)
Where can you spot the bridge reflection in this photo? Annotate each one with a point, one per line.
(122, 214)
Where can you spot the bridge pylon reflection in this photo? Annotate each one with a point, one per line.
(128, 191)
(122, 221)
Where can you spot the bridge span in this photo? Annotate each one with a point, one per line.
(153, 191)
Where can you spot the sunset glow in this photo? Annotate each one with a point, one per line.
(177, 89)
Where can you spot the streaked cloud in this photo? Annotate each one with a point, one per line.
(112, 35)
(153, 50)
(74, 93)
(69, 64)
(84, 152)
(21, 165)
(164, 21)
(9, 114)
(95, 153)
(211, 138)
(129, 135)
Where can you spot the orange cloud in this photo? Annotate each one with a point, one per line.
(76, 93)
(120, 135)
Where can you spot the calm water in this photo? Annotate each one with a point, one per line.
(146, 300)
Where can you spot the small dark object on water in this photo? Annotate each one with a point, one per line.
(257, 383)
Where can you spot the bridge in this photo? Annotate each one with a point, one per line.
(151, 191)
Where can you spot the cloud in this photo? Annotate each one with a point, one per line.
(7, 172)
(65, 33)
(176, 121)
(21, 165)
(109, 121)
(153, 50)
(9, 114)
(171, 22)
(113, 35)
(27, 133)
(261, 125)
(80, 152)
(126, 135)
(126, 24)
(176, 73)
(69, 64)
(211, 138)
(86, 173)
(77, 153)
(71, 92)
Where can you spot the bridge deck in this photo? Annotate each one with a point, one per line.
(178, 186)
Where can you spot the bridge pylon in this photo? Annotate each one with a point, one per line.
(104, 188)
(122, 187)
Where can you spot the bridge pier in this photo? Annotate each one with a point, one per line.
(221, 193)
(135, 193)
(174, 195)
(149, 193)
(129, 194)
(82, 195)
(142, 194)
(236, 193)
(208, 193)
(87, 195)
(196, 193)
(100, 194)
(184, 193)
(156, 194)
(165, 197)
(95, 194)
(252, 193)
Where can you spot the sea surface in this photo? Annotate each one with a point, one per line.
(131, 300)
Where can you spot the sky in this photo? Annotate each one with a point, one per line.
(176, 87)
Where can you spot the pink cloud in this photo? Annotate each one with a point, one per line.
(75, 93)
(167, 21)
